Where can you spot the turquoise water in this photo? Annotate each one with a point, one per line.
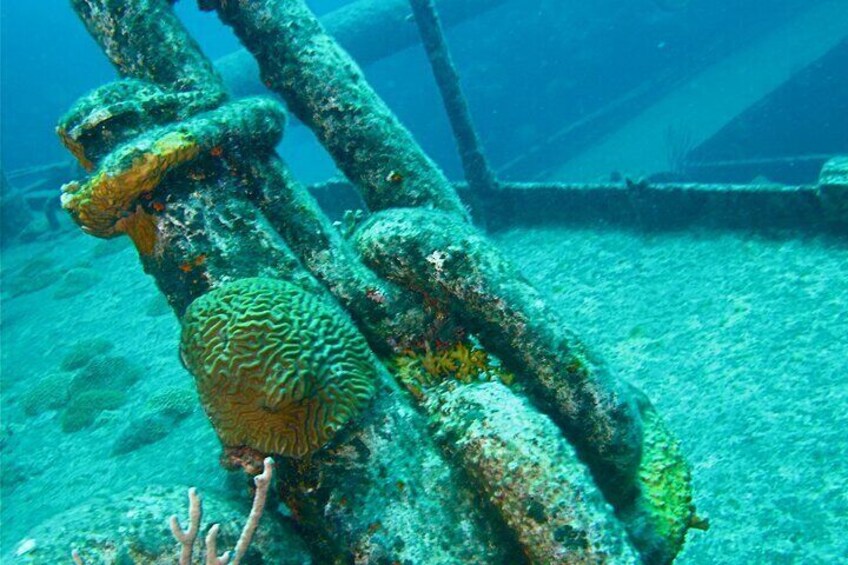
(730, 315)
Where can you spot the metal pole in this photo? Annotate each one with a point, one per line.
(477, 172)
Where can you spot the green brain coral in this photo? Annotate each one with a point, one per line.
(277, 369)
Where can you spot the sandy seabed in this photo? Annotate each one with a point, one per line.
(742, 344)
(741, 341)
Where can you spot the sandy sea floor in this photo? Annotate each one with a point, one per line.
(740, 341)
(742, 344)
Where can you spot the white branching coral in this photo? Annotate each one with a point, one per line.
(186, 538)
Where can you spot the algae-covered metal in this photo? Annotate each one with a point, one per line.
(327, 91)
(194, 181)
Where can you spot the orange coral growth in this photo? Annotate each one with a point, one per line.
(461, 360)
(100, 204)
(470, 362)
(76, 148)
(141, 227)
(188, 266)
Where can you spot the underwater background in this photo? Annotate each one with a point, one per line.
(737, 330)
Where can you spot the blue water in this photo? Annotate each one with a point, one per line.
(738, 333)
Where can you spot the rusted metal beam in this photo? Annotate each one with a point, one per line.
(641, 205)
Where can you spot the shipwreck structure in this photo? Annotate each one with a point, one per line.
(423, 402)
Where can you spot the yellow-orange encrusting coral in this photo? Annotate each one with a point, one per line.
(76, 148)
(141, 227)
(106, 204)
(461, 360)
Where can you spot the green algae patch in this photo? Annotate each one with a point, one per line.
(37, 274)
(140, 432)
(664, 510)
(175, 403)
(164, 411)
(77, 282)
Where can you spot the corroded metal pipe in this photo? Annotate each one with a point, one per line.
(634, 460)
(326, 90)
(522, 466)
(367, 29)
(454, 264)
(141, 41)
(656, 206)
(175, 60)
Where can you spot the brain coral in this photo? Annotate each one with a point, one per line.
(277, 369)
(83, 409)
(84, 351)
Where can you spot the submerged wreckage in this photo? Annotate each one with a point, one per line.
(421, 400)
